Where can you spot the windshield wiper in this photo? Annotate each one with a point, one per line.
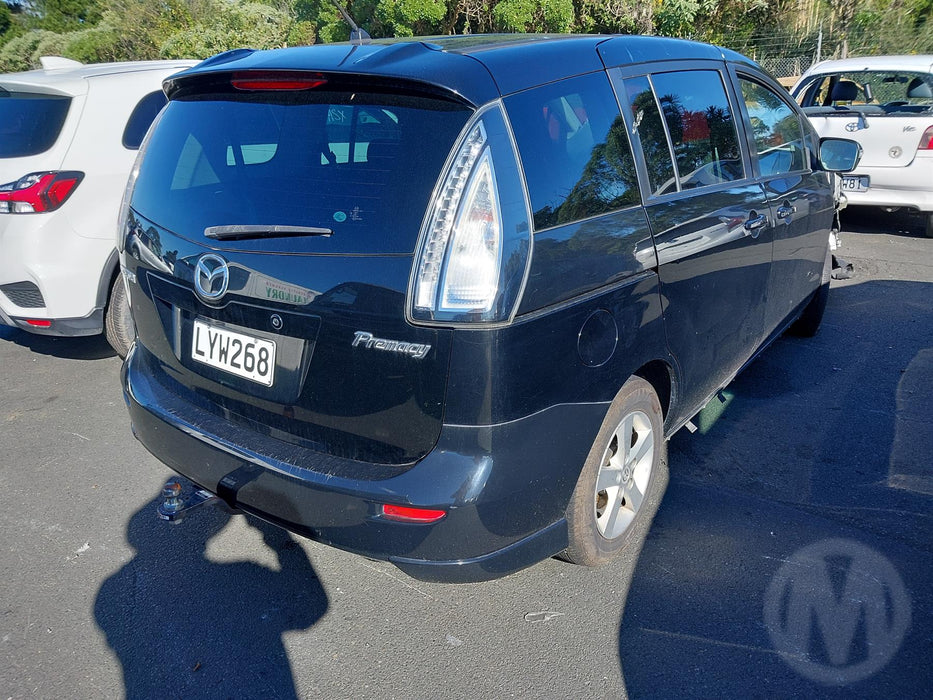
(239, 232)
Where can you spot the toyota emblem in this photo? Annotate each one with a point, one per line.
(211, 277)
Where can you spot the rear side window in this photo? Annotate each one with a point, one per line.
(701, 127)
(776, 129)
(574, 149)
(30, 122)
(141, 119)
(649, 124)
(361, 165)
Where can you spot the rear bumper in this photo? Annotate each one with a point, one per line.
(45, 250)
(505, 487)
(92, 324)
(910, 187)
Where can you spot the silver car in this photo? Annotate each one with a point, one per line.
(886, 104)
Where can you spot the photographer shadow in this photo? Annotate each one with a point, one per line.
(184, 626)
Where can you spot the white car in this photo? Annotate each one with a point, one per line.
(886, 104)
(69, 134)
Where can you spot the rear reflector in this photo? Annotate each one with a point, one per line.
(412, 515)
(273, 81)
(38, 192)
(39, 322)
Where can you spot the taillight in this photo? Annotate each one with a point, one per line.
(38, 192)
(926, 141)
(476, 240)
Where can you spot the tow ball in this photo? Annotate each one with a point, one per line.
(175, 506)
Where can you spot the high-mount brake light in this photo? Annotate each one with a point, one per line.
(38, 192)
(926, 141)
(407, 514)
(273, 81)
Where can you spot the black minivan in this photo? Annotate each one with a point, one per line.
(442, 301)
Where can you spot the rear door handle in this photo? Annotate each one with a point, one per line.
(785, 211)
(755, 223)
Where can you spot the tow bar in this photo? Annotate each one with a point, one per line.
(175, 506)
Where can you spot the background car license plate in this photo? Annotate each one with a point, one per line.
(855, 183)
(236, 353)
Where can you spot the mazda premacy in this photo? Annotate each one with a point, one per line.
(441, 302)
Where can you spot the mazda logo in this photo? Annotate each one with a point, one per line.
(211, 277)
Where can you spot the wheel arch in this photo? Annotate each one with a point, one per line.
(660, 376)
(110, 270)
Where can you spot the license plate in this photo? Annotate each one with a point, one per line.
(855, 183)
(237, 353)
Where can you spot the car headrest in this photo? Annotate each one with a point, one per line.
(919, 88)
(844, 91)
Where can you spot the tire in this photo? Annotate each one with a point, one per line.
(118, 322)
(603, 521)
(928, 229)
(812, 315)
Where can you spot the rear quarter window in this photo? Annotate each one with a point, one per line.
(30, 122)
(574, 150)
(146, 110)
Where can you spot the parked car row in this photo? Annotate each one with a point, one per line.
(442, 302)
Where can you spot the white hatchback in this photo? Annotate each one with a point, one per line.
(69, 134)
(886, 104)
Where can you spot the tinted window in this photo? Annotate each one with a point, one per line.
(138, 124)
(701, 127)
(361, 165)
(574, 149)
(776, 129)
(650, 127)
(30, 122)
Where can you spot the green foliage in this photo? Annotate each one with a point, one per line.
(21, 53)
(534, 15)
(676, 17)
(104, 30)
(410, 17)
(6, 18)
(252, 24)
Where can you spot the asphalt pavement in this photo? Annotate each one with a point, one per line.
(791, 555)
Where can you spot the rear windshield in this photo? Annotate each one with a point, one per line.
(30, 122)
(361, 165)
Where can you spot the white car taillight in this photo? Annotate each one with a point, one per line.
(37, 193)
(926, 141)
(476, 242)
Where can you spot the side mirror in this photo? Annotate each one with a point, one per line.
(839, 155)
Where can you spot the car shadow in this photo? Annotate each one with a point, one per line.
(183, 625)
(92, 347)
(822, 442)
(873, 220)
